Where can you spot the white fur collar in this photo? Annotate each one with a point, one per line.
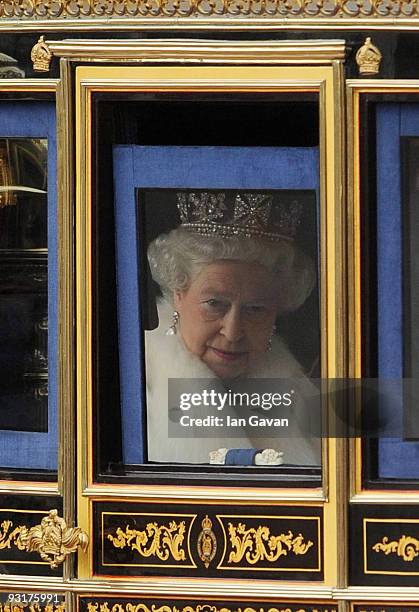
(167, 357)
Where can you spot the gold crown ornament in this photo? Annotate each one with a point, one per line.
(368, 58)
(248, 214)
(41, 56)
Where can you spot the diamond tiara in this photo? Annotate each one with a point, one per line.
(239, 213)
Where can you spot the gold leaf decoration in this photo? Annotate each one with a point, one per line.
(368, 58)
(308, 609)
(7, 537)
(141, 607)
(41, 56)
(406, 547)
(260, 545)
(207, 543)
(53, 540)
(387, 10)
(154, 541)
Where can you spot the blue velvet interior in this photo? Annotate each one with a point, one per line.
(397, 459)
(27, 449)
(181, 167)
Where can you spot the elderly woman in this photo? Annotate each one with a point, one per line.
(225, 275)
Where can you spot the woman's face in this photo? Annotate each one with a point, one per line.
(227, 314)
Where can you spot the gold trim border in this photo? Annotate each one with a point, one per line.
(217, 52)
(123, 83)
(355, 88)
(327, 81)
(341, 22)
(21, 87)
(160, 604)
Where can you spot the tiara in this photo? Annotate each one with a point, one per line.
(230, 214)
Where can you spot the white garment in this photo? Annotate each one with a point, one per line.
(167, 357)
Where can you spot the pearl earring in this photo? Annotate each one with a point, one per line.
(173, 327)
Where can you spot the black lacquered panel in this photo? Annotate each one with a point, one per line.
(208, 541)
(384, 545)
(90, 603)
(18, 514)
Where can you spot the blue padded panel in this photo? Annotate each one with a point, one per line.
(28, 449)
(397, 459)
(389, 230)
(181, 167)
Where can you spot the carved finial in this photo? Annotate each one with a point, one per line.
(41, 56)
(368, 58)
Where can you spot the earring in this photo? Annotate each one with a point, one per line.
(173, 328)
(269, 345)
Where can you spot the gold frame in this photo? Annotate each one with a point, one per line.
(355, 89)
(327, 80)
(21, 87)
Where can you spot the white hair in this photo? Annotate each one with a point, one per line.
(177, 258)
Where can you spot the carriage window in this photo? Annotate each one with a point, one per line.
(215, 271)
(28, 289)
(391, 284)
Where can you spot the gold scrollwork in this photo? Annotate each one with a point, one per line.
(159, 541)
(406, 547)
(7, 537)
(141, 607)
(94, 606)
(207, 542)
(251, 543)
(52, 539)
(286, 610)
(53, 9)
(31, 607)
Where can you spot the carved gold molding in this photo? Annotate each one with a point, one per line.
(313, 52)
(142, 607)
(52, 539)
(405, 547)
(154, 541)
(143, 9)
